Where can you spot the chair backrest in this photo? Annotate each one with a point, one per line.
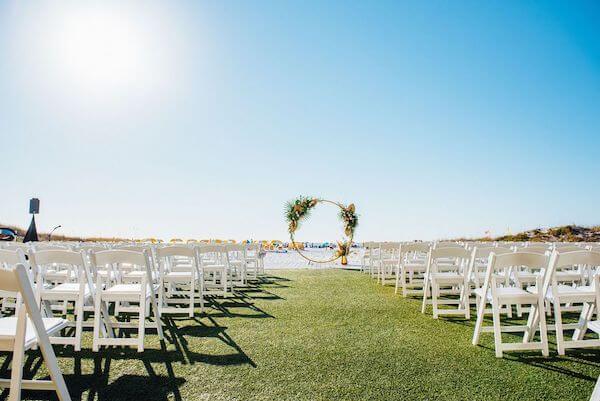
(120, 256)
(448, 244)
(481, 255)
(537, 245)
(211, 248)
(59, 256)
(213, 254)
(9, 258)
(568, 248)
(177, 257)
(122, 261)
(484, 252)
(175, 250)
(534, 249)
(421, 247)
(459, 259)
(450, 252)
(532, 260)
(560, 260)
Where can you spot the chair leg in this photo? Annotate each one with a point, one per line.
(78, 322)
(497, 329)
(467, 300)
(587, 312)
(560, 340)
(425, 294)
(97, 317)
(142, 322)
(479, 322)
(543, 328)
(435, 290)
(192, 293)
(18, 356)
(157, 316)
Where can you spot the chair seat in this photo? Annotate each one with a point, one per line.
(585, 292)
(106, 274)
(594, 326)
(448, 277)
(178, 275)
(525, 277)
(415, 266)
(128, 289)
(213, 267)
(56, 275)
(568, 276)
(138, 274)
(8, 328)
(505, 293)
(69, 289)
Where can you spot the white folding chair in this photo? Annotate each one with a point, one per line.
(80, 292)
(236, 254)
(477, 272)
(558, 294)
(24, 331)
(446, 275)
(214, 267)
(496, 292)
(143, 292)
(388, 261)
(254, 261)
(411, 269)
(366, 257)
(179, 274)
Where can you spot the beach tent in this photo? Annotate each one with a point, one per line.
(7, 234)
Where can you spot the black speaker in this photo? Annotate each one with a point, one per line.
(34, 206)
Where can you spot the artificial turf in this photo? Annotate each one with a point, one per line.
(319, 335)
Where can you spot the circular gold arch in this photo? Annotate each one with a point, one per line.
(299, 209)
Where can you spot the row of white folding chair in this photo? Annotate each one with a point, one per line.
(179, 272)
(497, 293)
(255, 264)
(126, 289)
(446, 281)
(368, 256)
(561, 297)
(65, 276)
(386, 261)
(411, 268)
(454, 279)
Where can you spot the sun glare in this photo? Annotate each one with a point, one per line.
(103, 51)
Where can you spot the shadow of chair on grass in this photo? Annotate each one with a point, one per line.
(579, 359)
(177, 336)
(151, 386)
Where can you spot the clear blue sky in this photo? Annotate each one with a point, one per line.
(200, 119)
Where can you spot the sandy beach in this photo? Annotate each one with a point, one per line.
(292, 260)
